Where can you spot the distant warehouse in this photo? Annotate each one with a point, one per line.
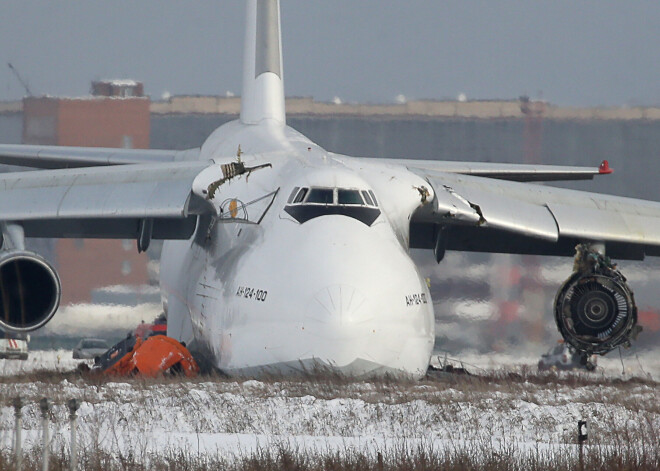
(115, 115)
(477, 109)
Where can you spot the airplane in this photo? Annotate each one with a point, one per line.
(282, 257)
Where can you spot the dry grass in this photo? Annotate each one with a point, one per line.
(530, 386)
(455, 403)
(479, 456)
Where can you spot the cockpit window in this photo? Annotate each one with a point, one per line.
(309, 203)
(373, 197)
(349, 197)
(320, 196)
(333, 196)
(367, 198)
(293, 194)
(301, 195)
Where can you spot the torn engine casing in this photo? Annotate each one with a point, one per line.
(30, 291)
(595, 308)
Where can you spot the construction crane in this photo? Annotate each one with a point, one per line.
(20, 79)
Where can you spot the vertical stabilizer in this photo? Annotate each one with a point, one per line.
(263, 88)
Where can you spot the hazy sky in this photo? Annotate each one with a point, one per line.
(573, 52)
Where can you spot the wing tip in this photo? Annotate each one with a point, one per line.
(604, 168)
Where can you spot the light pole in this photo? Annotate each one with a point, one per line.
(74, 405)
(18, 453)
(44, 405)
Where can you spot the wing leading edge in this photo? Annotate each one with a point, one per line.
(107, 202)
(482, 214)
(53, 157)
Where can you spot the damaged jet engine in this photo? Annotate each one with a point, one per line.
(595, 309)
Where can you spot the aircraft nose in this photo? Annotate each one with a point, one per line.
(338, 324)
(361, 329)
(340, 304)
(350, 309)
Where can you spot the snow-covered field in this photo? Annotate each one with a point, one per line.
(502, 409)
(81, 319)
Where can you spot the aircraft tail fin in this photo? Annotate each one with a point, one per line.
(263, 87)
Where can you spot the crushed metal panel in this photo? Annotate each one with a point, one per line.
(491, 201)
(502, 212)
(232, 170)
(630, 226)
(449, 204)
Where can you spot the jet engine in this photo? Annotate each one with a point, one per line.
(595, 308)
(30, 291)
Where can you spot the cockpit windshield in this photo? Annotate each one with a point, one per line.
(348, 197)
(309, 202)
(320, 196)
(334, 196)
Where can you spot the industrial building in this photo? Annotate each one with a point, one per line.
(116, 114)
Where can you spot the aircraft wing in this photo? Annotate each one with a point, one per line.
(108, 202)
(72, 157)
(484, 214)
(513, 172)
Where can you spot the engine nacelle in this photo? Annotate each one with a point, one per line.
(30, 291)
(596, 312)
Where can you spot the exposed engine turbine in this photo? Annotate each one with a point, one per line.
(595, 308)
(30, 291)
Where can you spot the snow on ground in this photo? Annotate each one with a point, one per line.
(627, 364)
(211, 415)
(60, 361)
(80, 319)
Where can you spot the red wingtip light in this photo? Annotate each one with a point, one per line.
(605, 167)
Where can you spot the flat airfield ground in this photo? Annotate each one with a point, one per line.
(504, 408)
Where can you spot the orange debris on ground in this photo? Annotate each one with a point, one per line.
(154, 356)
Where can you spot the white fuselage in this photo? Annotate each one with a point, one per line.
(258, 291)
